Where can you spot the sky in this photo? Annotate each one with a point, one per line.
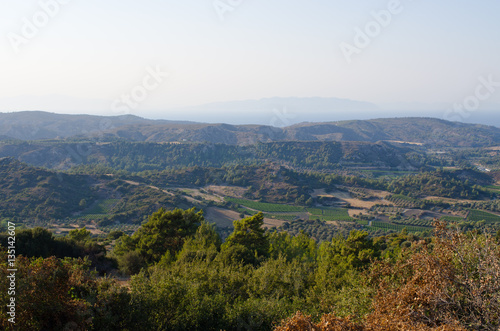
(146, 57)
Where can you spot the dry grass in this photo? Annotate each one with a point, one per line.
(197, 193)
(271, 222)
(300, 322)
(221, 217)
(224, 218)
(357, 203)
(230, 191)
(453, 284)
(366, 204)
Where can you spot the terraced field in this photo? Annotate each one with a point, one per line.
(403, 201)
(399, 227)
(452, 218)
(493, 188)
(329, 214)
(265, 207)
(415, 222)
(99, 210)
(479, 215)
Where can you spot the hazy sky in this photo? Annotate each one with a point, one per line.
(418, 51)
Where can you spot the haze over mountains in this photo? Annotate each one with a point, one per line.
(275, 111)
(428, 131)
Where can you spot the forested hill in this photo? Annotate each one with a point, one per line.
(33, 192)
(140, 156)
(28, 194)
(427, 131)
(33, 125)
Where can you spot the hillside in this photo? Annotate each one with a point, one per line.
(428, 131)
(32, 193)
(140, 156)
(28, 194)
(33, 125)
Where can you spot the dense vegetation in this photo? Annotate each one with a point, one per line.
(30, 195)
(451, 184)
(147, 156)
(187, 278)
(41, 243)
(331, 234)
(429, 131)
(26, 192)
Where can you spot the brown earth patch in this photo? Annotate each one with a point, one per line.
(197, 193)
(271, 222)
(224, 218)
(355, 212)
(367, 204)
(223, 190)
(221, 217)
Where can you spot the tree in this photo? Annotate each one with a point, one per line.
(204, 245)
(80, 235)
(309, 202)
(249, 234)
(83, 204)
(166, 231)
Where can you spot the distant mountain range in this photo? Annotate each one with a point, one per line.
(34, 125)
(268, 111)
(427, 131)
(276, 111)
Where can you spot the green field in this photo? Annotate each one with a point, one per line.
(92, 217)
(99, 210)
(329, 214)
(479, 215)
(493, 187)
(266, 207)
(315, 211)
(362, 222)
(452, 218)
(415, 222)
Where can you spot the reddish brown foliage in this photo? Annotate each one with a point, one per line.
(329, 322)
(49, 294)
(453, 285)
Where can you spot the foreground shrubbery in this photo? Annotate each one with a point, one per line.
(187, 279)
(451, 284)
(62, 294)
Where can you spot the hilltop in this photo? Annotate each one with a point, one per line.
(427, 131)
(33, 125)
(140, 156)
(34, 194)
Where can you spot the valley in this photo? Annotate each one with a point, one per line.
(238, 221)
(380, 186)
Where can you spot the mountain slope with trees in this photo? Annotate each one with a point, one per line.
(428, 131)
(141, 156)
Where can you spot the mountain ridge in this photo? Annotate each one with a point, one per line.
(37, 125)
